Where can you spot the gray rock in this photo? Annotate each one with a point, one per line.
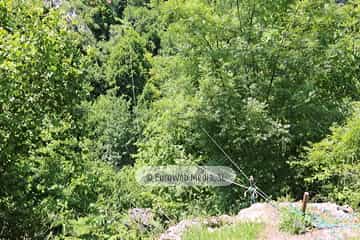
(142, 216)
(53, 3)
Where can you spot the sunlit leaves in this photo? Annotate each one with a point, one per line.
(112, 132)
(333, 162)
(41, 86)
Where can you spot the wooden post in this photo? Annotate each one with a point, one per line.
(304, 202)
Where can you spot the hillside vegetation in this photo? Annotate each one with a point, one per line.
(91, 91)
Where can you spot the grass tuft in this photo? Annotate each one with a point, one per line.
(294, 221)
(243, 231)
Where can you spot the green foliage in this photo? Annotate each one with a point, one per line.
(293, 221)
(94, 73)
(253, 81)
(332, 166)
(199, 89)
(32, 90)
(244, 231)
(98, 15)
(262, 78)
(45, 179)
(112, 134)
(127, 65)
(54, 184)
(108, 217)
(144, 20)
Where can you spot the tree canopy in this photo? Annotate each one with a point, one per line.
(91, 91)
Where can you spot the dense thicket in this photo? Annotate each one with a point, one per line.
(93, 90)
(332, 166)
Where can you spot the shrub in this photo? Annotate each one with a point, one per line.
(294, 221)
(112, 132)
(332, 165)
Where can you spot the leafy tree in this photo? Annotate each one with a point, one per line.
(164, 81)
(145, 21)
(112, 132)
(98, 15)
(42, 85)
(256, 83)
(33, 90)
(331, 166)
(127, 65)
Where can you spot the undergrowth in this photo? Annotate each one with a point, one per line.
(243, 231)
(294, 221)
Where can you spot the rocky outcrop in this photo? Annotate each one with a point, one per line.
(269, 215)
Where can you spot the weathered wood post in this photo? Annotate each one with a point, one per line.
(304, 202)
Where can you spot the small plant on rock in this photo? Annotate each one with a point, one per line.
(294, 221)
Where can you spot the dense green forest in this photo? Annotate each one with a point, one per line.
(91, 91)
